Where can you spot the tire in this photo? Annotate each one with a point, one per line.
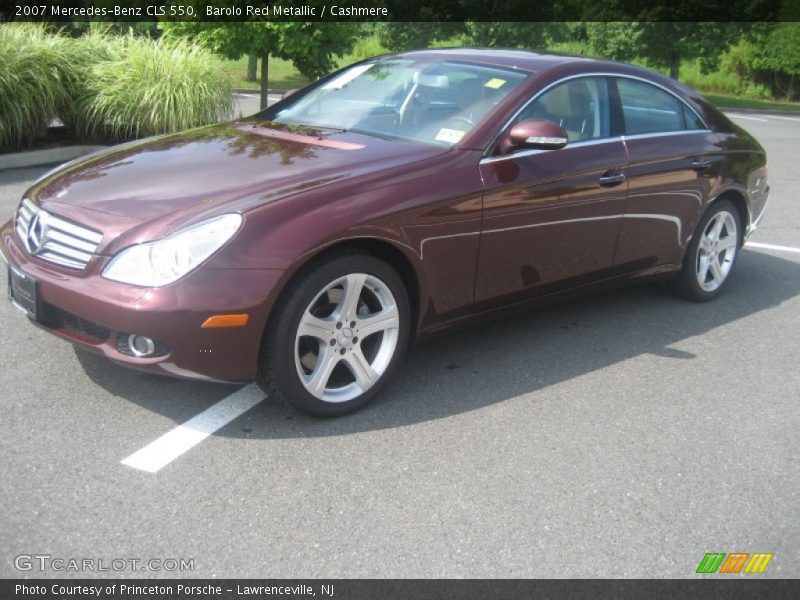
(711, 254)
(328, 351)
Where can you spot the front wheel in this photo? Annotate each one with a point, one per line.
(335, 336)
(711, 253)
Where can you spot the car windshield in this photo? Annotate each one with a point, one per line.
(435, 103)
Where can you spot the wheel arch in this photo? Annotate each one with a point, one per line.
(379, 248)
(737, 198)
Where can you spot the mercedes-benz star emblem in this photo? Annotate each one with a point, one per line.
(36, 232)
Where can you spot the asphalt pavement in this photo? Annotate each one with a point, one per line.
(624, 434)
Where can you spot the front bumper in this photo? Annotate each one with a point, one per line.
(97, 314)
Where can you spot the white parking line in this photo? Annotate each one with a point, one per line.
(171, 445)
(773, 247)
(159, 453)
(785, 118)
(738, 116)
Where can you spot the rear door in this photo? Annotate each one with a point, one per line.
(674, 162)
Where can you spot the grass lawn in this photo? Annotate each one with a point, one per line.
(735, 102)
(282, 74)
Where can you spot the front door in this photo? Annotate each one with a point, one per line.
(551, 218)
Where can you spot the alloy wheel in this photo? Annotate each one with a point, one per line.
(716, 251)
(346, 337)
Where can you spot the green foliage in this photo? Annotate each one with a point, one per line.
(733, 102)
(722, 81)
(662, 44)
(366, 47)
(32, 75)
(154, 87)
(402, 36)
(770, 54)
(83, 54)
(515, 35)
(410, 36)
(104, 86)
(613, 40)
(312, 47)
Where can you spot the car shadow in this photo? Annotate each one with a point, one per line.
(466, 370)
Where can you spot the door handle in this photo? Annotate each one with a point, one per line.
(612, 178)
(701, 164)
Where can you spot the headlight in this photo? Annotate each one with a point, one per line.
(160, 263)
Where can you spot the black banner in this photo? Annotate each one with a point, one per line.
(403, 589)
(399, 10)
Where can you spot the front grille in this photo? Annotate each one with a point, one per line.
(54, 239)
(58, 318)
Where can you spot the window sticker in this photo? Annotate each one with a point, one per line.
(495, 83)
(451, 136)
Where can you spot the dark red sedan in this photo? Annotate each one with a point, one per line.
(305, 246)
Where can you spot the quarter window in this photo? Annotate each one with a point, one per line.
(647, 109)
(691, 119)
(579, 106)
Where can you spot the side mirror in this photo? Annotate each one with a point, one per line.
(534, 133)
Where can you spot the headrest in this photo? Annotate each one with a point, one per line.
(569, 101)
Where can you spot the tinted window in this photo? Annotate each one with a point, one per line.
(691, 119)
(580, 106)
(648, 109)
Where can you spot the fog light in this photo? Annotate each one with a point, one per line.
(140, 345)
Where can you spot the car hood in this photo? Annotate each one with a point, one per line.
(171, 180)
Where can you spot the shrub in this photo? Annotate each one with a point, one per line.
(715, 82)
(104, 87)
(768, 59)
(32, 74)
(84, 54)
(154, 87)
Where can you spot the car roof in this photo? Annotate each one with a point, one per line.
(523, 60)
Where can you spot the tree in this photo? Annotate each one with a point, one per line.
(662, 44)
(252, 67)
(411, 36)
(310, 46)
(514, 35)
(397, 37)
(770, 55)
(780, 55)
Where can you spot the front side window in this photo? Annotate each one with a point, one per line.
(435, 102)
(648, 109)
(579, 106)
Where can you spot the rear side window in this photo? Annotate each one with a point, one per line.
(648, 109)
(691, 119)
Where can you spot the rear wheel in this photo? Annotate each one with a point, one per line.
(711, 254)
(337, 333)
